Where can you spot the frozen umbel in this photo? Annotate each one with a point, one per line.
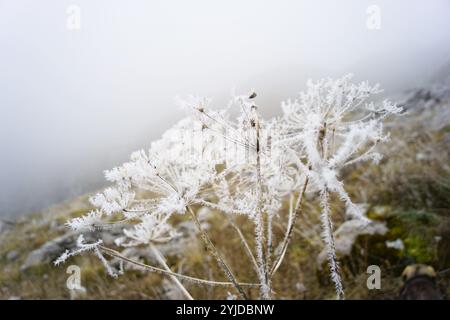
(242, 165)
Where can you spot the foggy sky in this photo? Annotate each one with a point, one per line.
(76, 102)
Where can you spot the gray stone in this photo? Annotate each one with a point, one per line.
(12, 255)
(5, 225)
(49, 251)
(347, 233)
(52, 249)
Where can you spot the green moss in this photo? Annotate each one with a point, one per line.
(417, 229)
(419, 249)
(446, 129)
(379, 212)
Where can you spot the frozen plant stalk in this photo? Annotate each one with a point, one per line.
(244, 166)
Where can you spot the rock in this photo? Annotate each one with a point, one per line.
(428, 106)
(108, 236)
(347, 233)
(379, 212)
(363, 208)
(52, 249)
(137, 254)
(5, 225)
(396, 244)
(178, 245)
(12, 255)
(49, 251)
(175, 247)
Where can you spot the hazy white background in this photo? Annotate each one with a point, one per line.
(75, 102)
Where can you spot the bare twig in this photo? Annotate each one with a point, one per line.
(247, 248)
(288, 234)
(116, 254)
(177, 282)
(215, 253)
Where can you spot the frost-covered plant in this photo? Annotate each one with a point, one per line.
(243, 166)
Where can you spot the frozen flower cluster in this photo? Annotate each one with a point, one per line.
(244, 165)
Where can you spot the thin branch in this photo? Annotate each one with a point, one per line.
(118, 255)
(177, 282)
(215, 253)
(362, 156)
(288, 235)
(248, 250)
(216, 206)
(269, 244)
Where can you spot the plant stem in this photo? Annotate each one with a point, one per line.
(247, 248)
(288, 235)
(328, 237)
(118, 255)
(215, 253)
(260, 224)
(177, 282)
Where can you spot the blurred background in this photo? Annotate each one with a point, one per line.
(84, 83)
